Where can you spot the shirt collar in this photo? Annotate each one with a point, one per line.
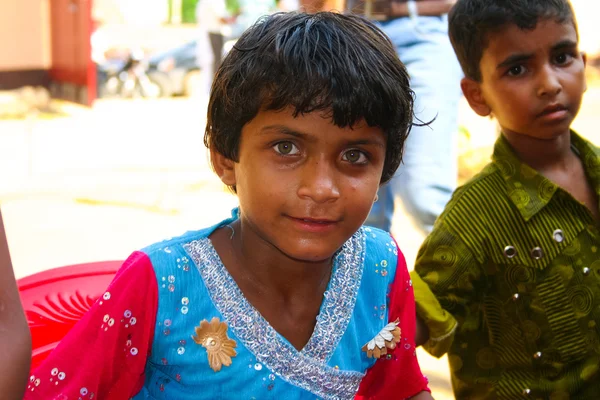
(530, 191)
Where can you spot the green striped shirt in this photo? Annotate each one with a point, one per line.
(515, 260)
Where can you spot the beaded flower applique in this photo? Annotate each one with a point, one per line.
(386, 339)
(213, 337)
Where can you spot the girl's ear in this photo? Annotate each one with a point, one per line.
(224, 167)
(472, 91)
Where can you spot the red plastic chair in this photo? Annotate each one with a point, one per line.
(56, 299)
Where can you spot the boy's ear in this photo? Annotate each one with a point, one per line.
(472, 91)
(585, 59)
(224, 167)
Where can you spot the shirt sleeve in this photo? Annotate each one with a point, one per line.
(104, 355)
(447, 279)
(398, 376)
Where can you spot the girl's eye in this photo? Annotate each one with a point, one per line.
(286, 148)
(516, 70)
(355, 157)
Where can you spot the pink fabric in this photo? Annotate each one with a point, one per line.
(104, 355)
(400, 376)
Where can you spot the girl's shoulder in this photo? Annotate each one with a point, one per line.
(381, 251)
(178, 241)
(170, 253)
(175, 250)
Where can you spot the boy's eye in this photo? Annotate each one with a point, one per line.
(286, 148)
(562, 58)
(355, 157)
(516, 70)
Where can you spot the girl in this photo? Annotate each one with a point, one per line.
(290, 298)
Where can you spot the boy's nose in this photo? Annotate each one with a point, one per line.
(548, 84)
(318, 182)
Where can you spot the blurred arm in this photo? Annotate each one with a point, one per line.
(424, 7)
(15, 338)
(422, 335)
(423, 396)
(312, 5)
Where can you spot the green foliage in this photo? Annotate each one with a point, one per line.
(188, 11)
(233, 6)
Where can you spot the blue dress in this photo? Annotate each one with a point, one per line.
(267, 366)
(173, 324)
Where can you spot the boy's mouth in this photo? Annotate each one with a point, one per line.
(553, 109)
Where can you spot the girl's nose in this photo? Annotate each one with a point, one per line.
(319, 182)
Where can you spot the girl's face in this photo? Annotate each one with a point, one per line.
(305, 185)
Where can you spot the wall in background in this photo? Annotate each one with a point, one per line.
(25, 33)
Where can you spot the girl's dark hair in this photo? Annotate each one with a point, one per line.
(341, 65)
(472, 21)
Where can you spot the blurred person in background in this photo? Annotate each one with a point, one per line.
(425, 182)
(250, 12)
(100, 45)
(15, 338)
(312, 5)
(288, 5)
(419, 31)
(214, 18)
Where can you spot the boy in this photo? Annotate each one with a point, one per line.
(514, 257)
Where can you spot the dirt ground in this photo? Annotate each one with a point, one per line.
(100, 183)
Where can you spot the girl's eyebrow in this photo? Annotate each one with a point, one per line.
(287, 131)
(375, 141)
(372, 142)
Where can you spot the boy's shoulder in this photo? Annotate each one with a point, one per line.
(589, 153)
(483, 204)
(474, 193)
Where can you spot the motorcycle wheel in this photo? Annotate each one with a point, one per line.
(162, 82)
(111, 88)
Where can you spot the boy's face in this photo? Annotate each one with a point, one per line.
(532, 80)
(305, 185)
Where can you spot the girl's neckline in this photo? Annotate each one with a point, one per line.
(334, 314)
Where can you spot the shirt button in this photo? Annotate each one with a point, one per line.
(515, 296)
(537, 253)
(558, 236)
(526, 392)
(586, 271)
(510, 251)
(537, 355)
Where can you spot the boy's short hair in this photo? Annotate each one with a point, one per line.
(471, 22)
(342, 65)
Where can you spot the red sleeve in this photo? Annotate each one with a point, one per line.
(104, 355)
(398, 377)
